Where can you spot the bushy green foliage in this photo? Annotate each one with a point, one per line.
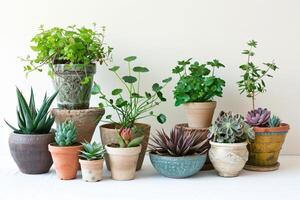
(92, 151)
(30, 119)
(66, 134)
(200, 84)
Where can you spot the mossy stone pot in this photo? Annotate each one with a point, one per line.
(73, 94)
(265, 149)
(177, 167)
(30, 152)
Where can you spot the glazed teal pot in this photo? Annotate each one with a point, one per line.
(178, 167)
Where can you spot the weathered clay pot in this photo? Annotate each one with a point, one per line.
(66, 160)
(85, 120)
(123, 162)
(30, 152)
(265, 149)
(68, 81)
(200, 114)
(204, 134)
(91, 170)
(228, 159)
(108, 134)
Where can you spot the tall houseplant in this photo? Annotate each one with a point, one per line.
(196, 88)
(130, 104)
(270, 132)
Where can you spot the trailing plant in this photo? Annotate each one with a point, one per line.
(199, 84)
(262, 118)
(229, 128)
(30, 119)
(252, 82)
(274, 121)
(134, 104)
(129, 137)
(66, 134)
(178, 143)
(92, 151)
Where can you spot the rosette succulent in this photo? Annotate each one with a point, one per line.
(66, 134)
(258, 117)
(274, 121)
(92, 151)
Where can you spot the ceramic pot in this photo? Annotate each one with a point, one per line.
(68, 81)
(265, 149)
(66, 160)
(200, 114)
(178, 167)
(30, 152)
(91, 170)
(204, 134)
(85, 121)
(123, 162)
(108, 134)
(228, 159)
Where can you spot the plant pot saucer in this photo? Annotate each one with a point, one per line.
(262, 168)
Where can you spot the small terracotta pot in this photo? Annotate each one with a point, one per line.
(228, 159)
(108, 134)
(265, 149)
(66, 160)
(91, 170)
(123, 162)
(30, 152)
(85, 121)
(200, 114)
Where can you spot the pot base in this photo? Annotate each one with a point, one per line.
(226, 175)
(262, 168)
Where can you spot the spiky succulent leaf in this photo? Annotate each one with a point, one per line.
(136, 141)
(66, 134)
(92, 151)
(274, 121)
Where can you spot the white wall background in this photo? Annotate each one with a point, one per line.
(160, 33)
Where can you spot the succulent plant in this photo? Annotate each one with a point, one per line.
(229, 128)
(179, 143)
(258, 117)
(128, 137)
(66, 134)
(274, 121)
(92, 151)
(30, 119)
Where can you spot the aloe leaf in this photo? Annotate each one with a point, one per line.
(120, 140)
(13, 128)
(136, 141)
(26, 111)
(32, 104)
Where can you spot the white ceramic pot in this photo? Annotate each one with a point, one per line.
(91, 170)
(123, 162)
(228, 159)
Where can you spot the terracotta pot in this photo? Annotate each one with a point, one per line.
(204, 134)
(200, 114)
(108, 134)
(91, 170)
(30, 152)
(265, 149)
(67, 80)
(85, 121)
(66, 160)
(228, 159)
(123, 162)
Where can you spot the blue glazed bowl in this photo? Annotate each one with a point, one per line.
(178, 167)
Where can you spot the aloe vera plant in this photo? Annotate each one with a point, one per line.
(30, 119)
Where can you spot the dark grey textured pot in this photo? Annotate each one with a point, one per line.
(30, 152)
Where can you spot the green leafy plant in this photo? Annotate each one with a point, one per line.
(30, 119)
(71, 45)
(274, 121)
(92, 151)
(66, 134)
(229, 128)
(252, 82)
(200, 84)
(135, 104)
(128, 137)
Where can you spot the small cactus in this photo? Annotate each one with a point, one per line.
(66, 134)
(274, 121)
(258, 117)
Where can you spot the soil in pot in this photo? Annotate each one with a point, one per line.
(91, 170)
(66, 160)
(30, 152)
(108, 131)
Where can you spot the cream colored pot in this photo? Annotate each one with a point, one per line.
(91, 170)
(228, 159)
(123, 162)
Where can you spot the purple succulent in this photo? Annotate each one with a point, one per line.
(258, 117)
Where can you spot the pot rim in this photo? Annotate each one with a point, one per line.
(124, 151)
(52, 132)
(201, 103)
(179, 157)
(53, 147)
(114, 124)
(185, 126)
(77, 110)
(282, 128)
(240, 144)
(91, 161)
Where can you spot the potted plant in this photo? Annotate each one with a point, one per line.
(28, 143)
(123, 155)
(91, 161)
(178, 155)
(270, 133)
(196, 90)
(229, 137)
(65, 151)
(130, 104)
(71, 54)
